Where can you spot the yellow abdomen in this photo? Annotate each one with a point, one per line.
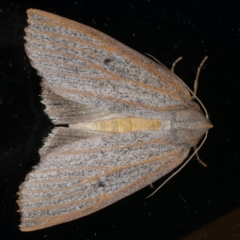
(120, 125)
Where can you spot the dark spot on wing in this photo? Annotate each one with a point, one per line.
(101, 184)
(106, 61)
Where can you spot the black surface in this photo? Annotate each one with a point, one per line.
(167, 30)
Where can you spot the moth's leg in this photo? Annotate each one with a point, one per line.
(197, 77)
(174, 64)
(151, 185)
(198, 158)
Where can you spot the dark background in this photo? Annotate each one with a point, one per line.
(198, 203)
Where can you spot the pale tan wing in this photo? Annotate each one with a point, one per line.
(82, 177)
(86, 66)
(61, 136)
(63, 111)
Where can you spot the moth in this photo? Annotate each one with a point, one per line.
(130, 122)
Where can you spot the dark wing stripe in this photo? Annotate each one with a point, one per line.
(53, 37)
(77, 209)
(62, 46)
(48, 221)
(73, 44)
(85, 96)
(66, 69)
(90, 46)
(60, 185)
(38, 184)
(34, 195)
(47, 68)
(85, 31)
(48, 72)
(58, 159)
(110, 148)
(38, 201)
(59, 50)
(155, 160)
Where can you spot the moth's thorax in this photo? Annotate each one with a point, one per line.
(189, 125)
(190, 117)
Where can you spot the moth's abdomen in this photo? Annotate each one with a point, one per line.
(121, 125)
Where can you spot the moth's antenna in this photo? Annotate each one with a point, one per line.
(197, 77)
(194, 92)
(187, 161)
(195, 82)
(156, 60)
(174, 64)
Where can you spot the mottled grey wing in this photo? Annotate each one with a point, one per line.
(86, 66)
(82, 177)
